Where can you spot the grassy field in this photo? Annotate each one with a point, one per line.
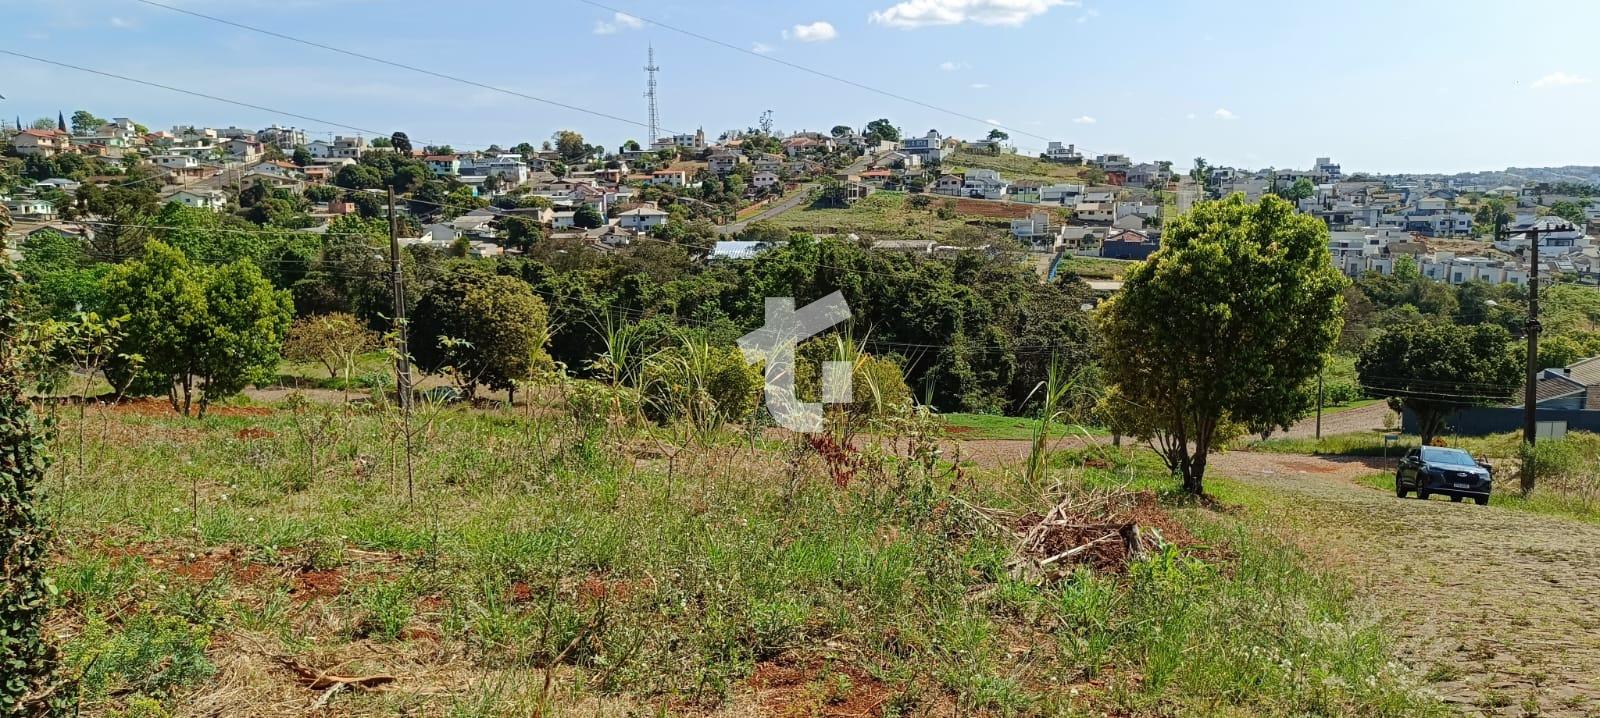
(885, 215)
(1506, 495)
(1014, 167)
(280, 560)
(1094, 267)
(989, 426)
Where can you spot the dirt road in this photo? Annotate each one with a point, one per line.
(1498, 609)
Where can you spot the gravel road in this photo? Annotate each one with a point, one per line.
(1498, 609)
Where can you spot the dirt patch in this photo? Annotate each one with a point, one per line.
(160, 408)
(252, 434)
(1496, 609)
(318, 584)
(792, 687)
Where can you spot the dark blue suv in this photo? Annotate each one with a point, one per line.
(1437, 470)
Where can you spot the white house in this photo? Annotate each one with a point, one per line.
(669, 178)
(1096, 211)
(31, 208)
(985, 184)
(642, 219)
(1068, 154)
(1063, 194)
(444, 165)
(208, 199)
(724, 162)
(763, 180)
(929, 147)
(247, 150)
(176, 162)
(949, 185)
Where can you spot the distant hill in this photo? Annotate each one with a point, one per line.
(1518, 176)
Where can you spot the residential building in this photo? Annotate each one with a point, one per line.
(42, 143)
(984, 184)
(1068, 154)
(1128, 244)
(949, 185)
(1557, 236)
(1326, 170)
(1100, 212)
(244, 149)
(763, 180)
(208, 199)
(283, 138)
(444, 165)
(31, 208)
(1063, 194)
(724, 162)
(348, 148)
(694, 142)
(669, 178)
(642, 219)
(174, 161)
(927, 148)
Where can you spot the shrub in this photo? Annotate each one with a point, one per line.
(704, 384)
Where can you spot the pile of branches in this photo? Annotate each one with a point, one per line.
(1102, 529)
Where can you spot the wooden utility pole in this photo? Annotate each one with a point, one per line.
(1319, 404)
(1530, 395)
(403, 361)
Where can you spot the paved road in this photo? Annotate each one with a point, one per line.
(795, 199)
(1498, 610)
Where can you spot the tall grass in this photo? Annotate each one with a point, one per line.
(534, 553)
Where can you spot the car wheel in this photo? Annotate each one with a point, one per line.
(1455, 499)
(1399, 488)
(1482, 500)
(1422, 494)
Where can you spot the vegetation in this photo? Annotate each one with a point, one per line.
(1221, 327)
(1436, 369)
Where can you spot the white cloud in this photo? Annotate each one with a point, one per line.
(1190, 116)
(1085, 120)
(924, 13)
(1223, 114)
(618, 22)
(818, 31)
(979, 85)
(1559, 79)
(952, 66)
(1088, 14)
(761, 47)
(122, 23)
(993, 122)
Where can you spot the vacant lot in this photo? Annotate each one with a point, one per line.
(284, 560)
(1014, 167)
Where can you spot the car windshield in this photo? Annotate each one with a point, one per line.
(1453, 457)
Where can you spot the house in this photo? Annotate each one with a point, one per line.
(1103, 212)
(347, 148)
(1128, 244)
(320, 149)
(724, 162)
(763, 180)
(174, 161)
(31, 208)
(642, 219)
(72, 231)
(283, 138)
(693, 142)
(948, 185)
(1576, 386)
(877, 176)
(562, 219)
(1065, 154)
(1062, 194)
(1038, 230)
(898, 160)
(1025, 191)
(668, 178)
(796, 146)
(766, 162)
(1557, 236)
(443, 165)
(984, 184)
(58, 183)
(928, 148)
(41, 143)
(207, 199)
(1325, 170)
(244, 150)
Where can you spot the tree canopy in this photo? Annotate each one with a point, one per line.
(1436, 368)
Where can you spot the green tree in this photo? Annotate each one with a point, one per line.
(1570, 211)
(481, 327)
(882, 130)
(1435, 368)
(571, 146)
(998, 135)
(332, 340)
(1493, 215)
(84, 122)
(588, 217)
(401, 143)
(1301, 189)
(1222, 325)
(841, 130)
(301, 156)
(198, 329)
(358, 177)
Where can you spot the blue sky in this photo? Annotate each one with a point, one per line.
(1381, 85)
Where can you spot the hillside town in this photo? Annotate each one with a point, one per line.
(1062, 202)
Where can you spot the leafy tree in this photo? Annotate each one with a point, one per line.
(1222, 325)
(571, 146)
(197, 329)
(322, 193)
(588, 217)
(841, 130)
(401, 143)
(1493, 214)
(1435, 369)
(29, 659)
(43, 123)
(1570, 211)
(998, 135)
(630, 146)
(358, 177)
(882, 130)
(84, 122)
(1301, 189)
(301, 156)
(332, 340)
(484, 328)
(523, 232)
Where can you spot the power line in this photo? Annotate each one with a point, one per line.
(812, 71)
(191, 93)
(392, 63)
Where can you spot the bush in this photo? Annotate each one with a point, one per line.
(704, 384)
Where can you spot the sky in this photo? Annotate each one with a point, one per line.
(1378, 85)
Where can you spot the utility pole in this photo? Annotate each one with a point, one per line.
(1319, 404)
(1530, 395)
(403, 361)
